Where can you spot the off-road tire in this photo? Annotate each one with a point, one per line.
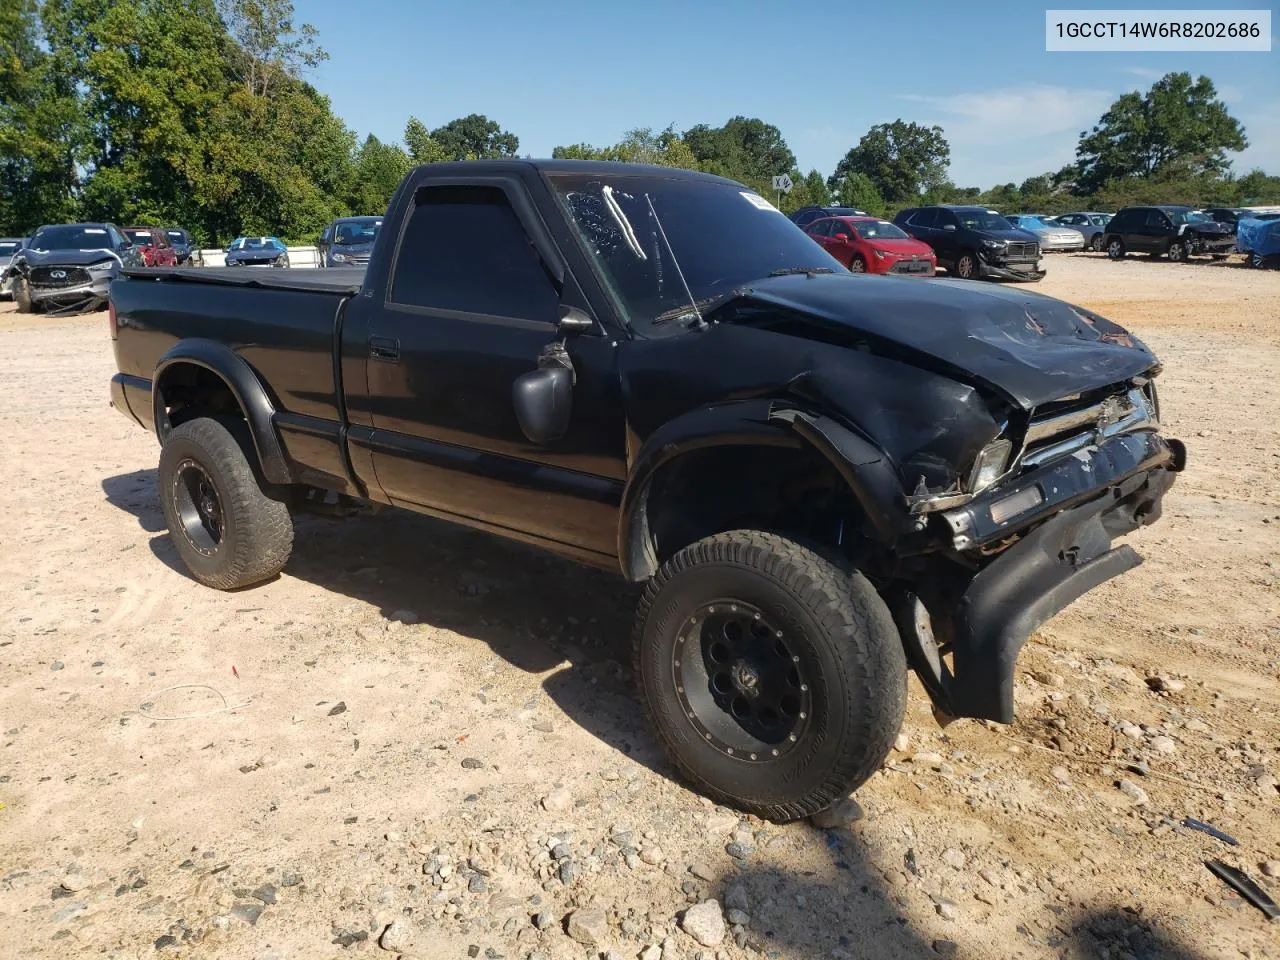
(1115, 249)
(972, 272)
(257, 534)
(22, 296)
(845, 643)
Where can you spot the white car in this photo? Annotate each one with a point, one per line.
(1053, 237)
(8, 247)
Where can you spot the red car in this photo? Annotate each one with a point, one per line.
(154, 245)
(872, 245)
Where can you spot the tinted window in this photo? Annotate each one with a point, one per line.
(924, 218)
(945, 217)
(464, 249)
(1156, 219)
(807, 217)
(821, 228)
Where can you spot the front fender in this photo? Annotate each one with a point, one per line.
(248, 390)
(760, 422)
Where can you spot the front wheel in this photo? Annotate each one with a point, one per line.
(967, 266)
(775, 680)
(858, 264)
(226, 529)
(1095, 243)
(1255, 261)
(1115, 249)
(22, 295)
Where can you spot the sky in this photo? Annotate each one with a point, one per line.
(566, 71)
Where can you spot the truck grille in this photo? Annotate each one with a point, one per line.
(58, 276)
(1067, 427)
(1022, 251)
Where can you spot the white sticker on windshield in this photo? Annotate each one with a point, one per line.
(93, 230)
(759, 202)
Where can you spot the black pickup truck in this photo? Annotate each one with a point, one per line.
(822, 477)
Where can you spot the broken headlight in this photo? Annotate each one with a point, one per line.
(989, 465)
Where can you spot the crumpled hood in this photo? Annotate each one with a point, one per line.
(1028, 347)
(66, 258)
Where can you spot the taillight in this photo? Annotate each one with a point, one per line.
(112, 323)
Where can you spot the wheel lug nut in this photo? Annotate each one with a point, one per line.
(792, 738)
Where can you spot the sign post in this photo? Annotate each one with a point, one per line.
(782, 184)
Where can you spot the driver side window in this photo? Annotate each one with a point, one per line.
(821, 229)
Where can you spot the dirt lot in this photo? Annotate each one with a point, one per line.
(283, 772)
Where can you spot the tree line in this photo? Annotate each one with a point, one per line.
(198, 113)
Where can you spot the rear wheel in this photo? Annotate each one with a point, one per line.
(858, 264)
(1095, 243)
(1177, 251)
(226, 529)
(967, 266)
(775, 680)
(22, 295)
(1115, 248)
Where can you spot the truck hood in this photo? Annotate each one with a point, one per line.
(1031, 348)
(66, 258)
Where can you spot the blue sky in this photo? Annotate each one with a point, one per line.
(567, 71)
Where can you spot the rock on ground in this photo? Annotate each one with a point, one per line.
(589, 925)
(705, 923)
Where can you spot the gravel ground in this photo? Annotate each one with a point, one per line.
(422, 742)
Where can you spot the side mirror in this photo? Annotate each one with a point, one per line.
(543, 400)
(574, 321)
(841, 236)
(949, 226)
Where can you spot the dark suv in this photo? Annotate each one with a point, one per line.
(1177, 232)
(974, 243)
(806, 215)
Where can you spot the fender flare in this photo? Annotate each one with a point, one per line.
(250, 394)
(865, 468)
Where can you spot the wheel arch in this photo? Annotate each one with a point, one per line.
(199, 375)
(756, 442)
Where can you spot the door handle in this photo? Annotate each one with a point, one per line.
(384, 348)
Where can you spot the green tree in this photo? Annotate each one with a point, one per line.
(664, 148)
(267, 46)
(422, 148)
(745, 149)
(379, 169)
(902, 160)
(1179, 120)
(475, 137)
(857, 190)
(1256, 187)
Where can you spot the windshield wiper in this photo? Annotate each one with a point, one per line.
(696, 310)
(810, 271)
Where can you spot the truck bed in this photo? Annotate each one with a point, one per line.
(340, 281)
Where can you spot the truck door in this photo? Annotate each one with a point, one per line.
(469, 303)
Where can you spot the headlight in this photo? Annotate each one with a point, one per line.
(989, 465)
(102, 267)
(993, 244)
(338, 257)
(882, 254)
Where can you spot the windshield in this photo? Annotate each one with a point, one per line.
(1100, 219)
(8, 246)
(722, 238)
(142, 237)
(982, 220)
(352, 233)
(177, 235)
(1180, 217)
(255, 243)
(879, 230)
(71, 237)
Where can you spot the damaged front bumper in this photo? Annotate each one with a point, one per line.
(1062, 550)
(1004, 270)
(81, 297)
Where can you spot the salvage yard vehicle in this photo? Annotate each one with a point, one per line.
(1259, 241)
(348, 242)
(806, 215)
(872, 245)
(1090, 223)
(1053, 237)
(69, 267)
(820, 477)
(153, 245)
(257, 252)
(184, 247)
(8, 247)
(974, 243)
(1172, 231)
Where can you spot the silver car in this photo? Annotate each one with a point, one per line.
(1053, 238)
(8, 247)
(1089, 222)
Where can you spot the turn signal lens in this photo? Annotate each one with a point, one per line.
(989, 465)
(1006, 508)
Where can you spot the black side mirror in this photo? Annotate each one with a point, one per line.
(543, 400)
(948, 226)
